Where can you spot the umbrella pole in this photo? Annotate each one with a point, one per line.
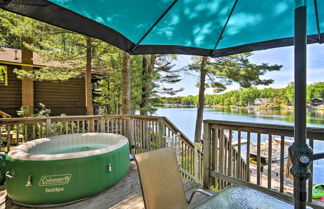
(299, 169)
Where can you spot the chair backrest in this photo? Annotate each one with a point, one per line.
(4, 115)
(160, 178)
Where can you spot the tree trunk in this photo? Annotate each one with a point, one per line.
(144, 99)
(126, 85)
(88, 88)
(148, 68)
(201, 100)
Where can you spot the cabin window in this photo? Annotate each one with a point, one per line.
(3, 75)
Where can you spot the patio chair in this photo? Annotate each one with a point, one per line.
(161, 182)
(162, 187)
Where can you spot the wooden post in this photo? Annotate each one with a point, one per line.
(126, 85)
(27, 84)
(206, 154)
(87, 77)
(48, 127)
(130, 134)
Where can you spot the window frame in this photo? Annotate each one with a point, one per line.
(5, 83)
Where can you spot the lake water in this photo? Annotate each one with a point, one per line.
(185, 118)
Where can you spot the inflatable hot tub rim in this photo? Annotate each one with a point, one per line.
(21, 152)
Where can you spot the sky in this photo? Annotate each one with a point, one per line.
(282, 56)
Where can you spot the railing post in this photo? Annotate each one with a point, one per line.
(130, 134)
(102, 125)
(48, 127)
(206, 154)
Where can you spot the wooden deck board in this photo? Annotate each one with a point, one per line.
(124, 195)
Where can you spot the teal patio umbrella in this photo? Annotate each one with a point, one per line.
(199, 27)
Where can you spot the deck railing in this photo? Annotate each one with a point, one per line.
(264, 148)
(145, 133)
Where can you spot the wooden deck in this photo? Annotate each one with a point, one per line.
(126, 194)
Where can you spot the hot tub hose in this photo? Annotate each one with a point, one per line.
(10, 175)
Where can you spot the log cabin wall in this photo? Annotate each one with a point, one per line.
(66, 97)
(10, 95)
(60, 97)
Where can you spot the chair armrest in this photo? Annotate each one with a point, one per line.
(209, 194)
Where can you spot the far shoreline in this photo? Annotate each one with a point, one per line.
(251, 107)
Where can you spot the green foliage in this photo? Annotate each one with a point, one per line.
(47, 74)
(315, 91)
(157, 71)
(42, 112)
(7, 36)
(238, 69)
(66, 55)
(276, 98)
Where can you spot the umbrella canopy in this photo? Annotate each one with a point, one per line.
(196, 27)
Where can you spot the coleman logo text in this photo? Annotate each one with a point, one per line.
(52, 180)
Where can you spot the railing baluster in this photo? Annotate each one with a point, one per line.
(207, 151)
(221, 154)
(258, 158)
(282, 163)
(34, 132)
(40, 131)
(310, 180)
(25, 133)
(216, 136)
(226, 144)
(60, 127)
(248, 145)
(142, 135)
(269, 159)
(78, 126)
(187, 158)
(67, 127)
(8, 138)
(17, 134)
(72, 127)
(230, 146)
(239, 155)
(213, 159)
(48, 127)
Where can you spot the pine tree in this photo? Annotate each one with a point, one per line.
(224, 71)
(157, 71)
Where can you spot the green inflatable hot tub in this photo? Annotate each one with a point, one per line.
(62, 169)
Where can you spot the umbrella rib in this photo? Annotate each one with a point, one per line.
(224, 27)
(155, 23)
(317, 22)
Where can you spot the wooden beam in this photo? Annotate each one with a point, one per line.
(87, 77)
(27, 84)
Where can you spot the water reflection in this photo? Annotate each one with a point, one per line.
(314, 117)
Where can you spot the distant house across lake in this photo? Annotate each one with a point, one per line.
(317, 102)
(260, 101)
(67, 97)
